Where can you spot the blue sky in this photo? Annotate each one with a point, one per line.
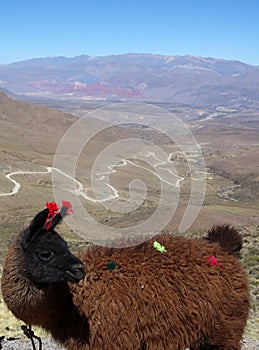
(209, 28)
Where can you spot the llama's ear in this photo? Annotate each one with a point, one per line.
(36, 225)
(65, 210)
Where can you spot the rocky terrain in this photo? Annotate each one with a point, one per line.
(48, 344)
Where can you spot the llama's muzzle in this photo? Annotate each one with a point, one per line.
(76, 272)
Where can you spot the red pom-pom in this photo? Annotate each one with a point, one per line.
(53, 210)
(52, 206)
(213, 261)
(68, 205)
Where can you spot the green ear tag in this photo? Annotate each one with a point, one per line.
(111, 265)
(159, 247)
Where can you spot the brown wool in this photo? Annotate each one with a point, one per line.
(149, 300)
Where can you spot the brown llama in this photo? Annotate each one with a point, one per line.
(186, 293)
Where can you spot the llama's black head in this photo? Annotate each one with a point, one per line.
(46, 255)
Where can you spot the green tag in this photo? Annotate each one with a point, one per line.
(159, 247)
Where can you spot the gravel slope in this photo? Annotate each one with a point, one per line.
(48, 344)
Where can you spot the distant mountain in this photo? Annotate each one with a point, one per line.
(143, 77)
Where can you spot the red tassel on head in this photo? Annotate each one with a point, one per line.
(52, 206)
(53, 210)
(68, 205)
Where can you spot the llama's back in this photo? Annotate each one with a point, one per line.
(173, 299)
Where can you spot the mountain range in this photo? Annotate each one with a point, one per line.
(187, 80)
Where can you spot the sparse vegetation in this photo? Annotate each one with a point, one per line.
(250, 260)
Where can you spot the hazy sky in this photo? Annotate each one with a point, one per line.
(210, 28)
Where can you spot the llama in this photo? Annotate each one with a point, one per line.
(166, 293)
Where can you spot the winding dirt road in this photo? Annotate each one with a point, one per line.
(167, 174)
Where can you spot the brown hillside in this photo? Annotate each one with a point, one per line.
(29, 131)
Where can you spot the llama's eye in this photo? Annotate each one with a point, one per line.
(46, 256)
